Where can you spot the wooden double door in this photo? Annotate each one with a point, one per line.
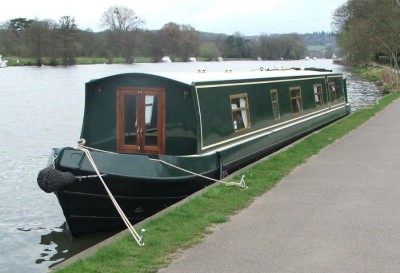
(141, 120)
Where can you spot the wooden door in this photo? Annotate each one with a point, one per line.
(141, 120)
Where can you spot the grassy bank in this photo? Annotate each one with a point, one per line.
(187, 225)
(384, 77)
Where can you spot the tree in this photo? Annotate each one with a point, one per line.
(274, 47)
(190, 42)
(19, 25)
(37, 37)
(152, 45)
(385, 22)
(237, 46)
(366, 27)
(67, 31)
(171, 39)
(16, 29)
(123, 24)
(209, 51)
(53, 43)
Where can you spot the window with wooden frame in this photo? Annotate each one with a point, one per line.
(240, 112)
(296, 100)
(332, 91)
(275, 104)
(318, 95)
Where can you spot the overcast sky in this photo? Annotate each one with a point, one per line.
(249, 17)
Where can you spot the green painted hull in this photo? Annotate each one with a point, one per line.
(200, 137)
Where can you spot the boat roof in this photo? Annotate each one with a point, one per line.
(202, 77)
(197, 78)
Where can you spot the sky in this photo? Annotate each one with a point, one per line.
(248, 17)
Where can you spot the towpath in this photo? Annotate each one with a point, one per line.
(339, 212)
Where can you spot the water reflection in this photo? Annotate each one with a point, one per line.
(59, 245)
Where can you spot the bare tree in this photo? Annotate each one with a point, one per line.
(385, 23)
(67, 30)
(190, 42)
(369, 26)
(123, 24)
(37, 39)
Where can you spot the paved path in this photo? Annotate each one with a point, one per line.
(339, 212)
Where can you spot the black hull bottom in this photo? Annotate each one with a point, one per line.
(88, 208)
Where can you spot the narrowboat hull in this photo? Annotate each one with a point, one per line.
(140, 185)
(150, 136)
(143, 186)
(88, 208)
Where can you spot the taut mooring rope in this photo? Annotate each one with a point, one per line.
(240, 184)
(138, 238)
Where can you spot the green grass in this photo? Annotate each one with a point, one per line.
(187, 225)
(370, 73)
(316, 48)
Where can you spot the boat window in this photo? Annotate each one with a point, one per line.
(318, 95)
(130, 119)
(149, 101)
(296, 100)
(240, 112)
(275, 104)
(150, 119)
(332, 91)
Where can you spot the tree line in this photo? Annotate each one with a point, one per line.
(61, 42)
(369, 28)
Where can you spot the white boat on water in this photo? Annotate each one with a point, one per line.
(3, 63)
(166, 59)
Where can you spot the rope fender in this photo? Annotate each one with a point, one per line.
(50, 179)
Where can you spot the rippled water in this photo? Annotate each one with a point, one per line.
(41, 108)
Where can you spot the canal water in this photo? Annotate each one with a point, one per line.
(41, 108)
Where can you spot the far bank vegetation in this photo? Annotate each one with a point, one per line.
(368, 31)
(125, 39)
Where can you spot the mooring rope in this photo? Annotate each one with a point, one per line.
(240, 184)
(138, 238)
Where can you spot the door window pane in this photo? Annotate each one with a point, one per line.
(130, 120)
(151, 122)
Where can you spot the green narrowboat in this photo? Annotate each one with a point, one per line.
(145, 130)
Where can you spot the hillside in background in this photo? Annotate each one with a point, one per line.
(318, 44)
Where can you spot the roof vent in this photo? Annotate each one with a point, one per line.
(201, 70)
(228, 70)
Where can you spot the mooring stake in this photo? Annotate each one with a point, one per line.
(142, 231)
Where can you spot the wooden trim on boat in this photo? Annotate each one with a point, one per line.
(140, 146)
